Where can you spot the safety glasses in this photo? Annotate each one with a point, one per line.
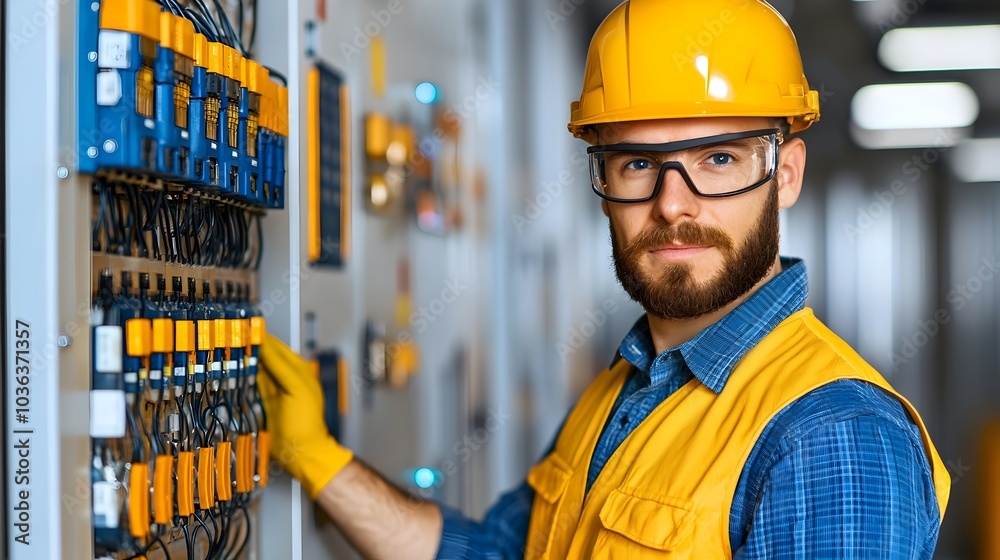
(715, 166)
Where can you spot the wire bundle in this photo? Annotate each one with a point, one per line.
(177, 227)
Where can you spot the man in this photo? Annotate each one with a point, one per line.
(732, 423)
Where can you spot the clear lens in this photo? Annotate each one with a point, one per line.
(714, 169)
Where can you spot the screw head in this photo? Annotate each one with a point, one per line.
(92, 56)
(110, 146)
(95, 6)
(63, 341)
(92, 151)
(62, 172)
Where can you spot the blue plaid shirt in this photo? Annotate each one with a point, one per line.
(839, 473)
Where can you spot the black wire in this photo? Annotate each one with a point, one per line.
(187, 541)
(241, 25)
(278, 75)
(253, 26)
(246, 516)
(227, 26)
(137, 447)
(201, 24)
(260, 242)
(207, 14)
(166, 552)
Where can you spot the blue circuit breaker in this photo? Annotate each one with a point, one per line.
(249, 133)
(158, 98)
(118, 95)
(227, 60)
(206, 92)
(173, 71)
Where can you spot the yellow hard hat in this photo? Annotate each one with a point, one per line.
(668, 59)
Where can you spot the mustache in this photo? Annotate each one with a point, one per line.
(685, 233)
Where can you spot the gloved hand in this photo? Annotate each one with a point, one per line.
(293, 398)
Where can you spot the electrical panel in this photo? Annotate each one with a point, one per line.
(184, 135)
(167, 95)
(328, 167)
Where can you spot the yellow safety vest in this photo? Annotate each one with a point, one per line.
(666, 492)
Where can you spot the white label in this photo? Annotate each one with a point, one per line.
(108, 349)
(109, 88)
(253, 162)
(236, 154)
(114, 49)
(107, 413)
(253, 361)
(199, 368)
(216, 366)
(179, 371)
(105, 505)
(184, 134)
(231, 365)
(155, 375)
(131, 377)
(214, 146)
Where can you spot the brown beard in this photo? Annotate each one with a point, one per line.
(676, 295)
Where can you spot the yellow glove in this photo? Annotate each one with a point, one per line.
(293, 399)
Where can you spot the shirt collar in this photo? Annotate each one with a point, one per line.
(713, 353)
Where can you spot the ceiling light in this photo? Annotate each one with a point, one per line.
(973, 47)
(915, 106)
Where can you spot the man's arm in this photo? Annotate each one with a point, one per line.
(378, 519)
(858, 487)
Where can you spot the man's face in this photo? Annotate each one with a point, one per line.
(681, 255)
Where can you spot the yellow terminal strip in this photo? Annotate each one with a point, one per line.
(206, 334)
(163, 489)
(163, 335)
(185, 483)
(141, 17)
(138, 338)
(184, 336)
(232, 61)
(200, 55)
(223, 471)
(236, 338)
(223, 334)
(244, 463)
(183, 36)
(282, 116)
(247, 345)
(138, 500)
(250, 79)
(206, 477)
(216, 53)
(167, 30)
(258, 328)
(269, 106)
(343, 387)
(203, 59)
(263, 457)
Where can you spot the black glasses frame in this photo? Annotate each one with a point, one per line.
(776, 138)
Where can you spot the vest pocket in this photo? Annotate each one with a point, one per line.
(549, 479)
(635, 527)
